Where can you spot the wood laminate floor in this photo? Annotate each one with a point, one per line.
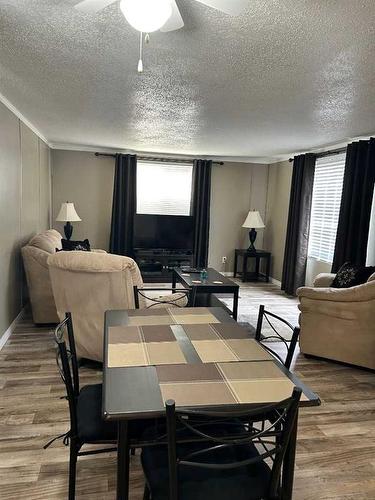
(336, 441)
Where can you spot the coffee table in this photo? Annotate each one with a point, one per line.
(215, 283)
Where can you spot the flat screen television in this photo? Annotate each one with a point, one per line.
(170, 232)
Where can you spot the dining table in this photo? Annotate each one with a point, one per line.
(197, 356)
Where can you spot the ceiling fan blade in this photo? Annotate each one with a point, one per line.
(175, 22)
(231, 7)
(92, 6)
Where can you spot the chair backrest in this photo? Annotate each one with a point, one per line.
(87, 284)
(274, 335)
(67, 364)
(267, 427)
(145, 298)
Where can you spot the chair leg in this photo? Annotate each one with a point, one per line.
(146, 493)
(72, 469)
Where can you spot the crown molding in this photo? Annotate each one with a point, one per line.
(111, 150)
(21, 117)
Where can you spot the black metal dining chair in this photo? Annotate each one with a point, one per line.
(176, 299)
(85, 408)
(235, 460)
(261, 337)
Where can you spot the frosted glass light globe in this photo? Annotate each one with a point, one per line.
(146, 15)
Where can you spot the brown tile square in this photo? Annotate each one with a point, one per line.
(231, 331)
(248, 350)
(157, 333)
(251, 370)
(200, 332)
(188, 373)
(198, 393)
(120, 355)
(164, 353)
(123, 334)
(212, 351)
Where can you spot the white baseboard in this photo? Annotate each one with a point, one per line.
(227, 273)
(10, 330)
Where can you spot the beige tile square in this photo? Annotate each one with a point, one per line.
(191, 319)
(198, 393)
(248, 350)
(126, 355)
(165, 353)
(263, 391)
(150, 320)
(251, 370)
(212, 351)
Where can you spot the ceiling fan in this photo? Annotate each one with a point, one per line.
(148, 16)
(151, 15)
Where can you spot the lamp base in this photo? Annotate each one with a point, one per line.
(68, 230)
(252, 238)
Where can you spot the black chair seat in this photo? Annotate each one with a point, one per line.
(243, 483)
(91, 426)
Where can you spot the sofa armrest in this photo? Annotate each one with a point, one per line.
(323, 280)
(360, 293)
(98, 250)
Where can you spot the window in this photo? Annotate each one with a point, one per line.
(328, 181)
(164, 188)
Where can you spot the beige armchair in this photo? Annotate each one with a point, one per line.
(87, 284)
(338, 323)
(35, 255)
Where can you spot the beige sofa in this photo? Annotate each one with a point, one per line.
(338, 324)
(87, 284)
(35, 255)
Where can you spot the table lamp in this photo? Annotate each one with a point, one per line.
(68, 214)
(253, 221)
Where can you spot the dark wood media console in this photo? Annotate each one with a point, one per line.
(156, 264)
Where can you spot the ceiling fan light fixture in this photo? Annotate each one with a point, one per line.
(146, 15)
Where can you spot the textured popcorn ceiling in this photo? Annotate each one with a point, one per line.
(286, 76)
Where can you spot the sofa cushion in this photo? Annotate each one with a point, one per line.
(48, 241)
(351, 275)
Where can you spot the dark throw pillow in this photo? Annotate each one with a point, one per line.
(68, 245)
(351, 275)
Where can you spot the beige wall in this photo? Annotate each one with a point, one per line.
(279, 183)
(87, 181)
(236, 189)
(24, 205)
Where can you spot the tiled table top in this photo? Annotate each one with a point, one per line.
(196, 356)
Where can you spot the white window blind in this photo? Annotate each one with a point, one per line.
(326, 200)
(164, 188)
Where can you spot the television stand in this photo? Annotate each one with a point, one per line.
(156, 264)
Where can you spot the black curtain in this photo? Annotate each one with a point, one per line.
(201, 210)
(356, 203)
(297, 236)
(123, 205)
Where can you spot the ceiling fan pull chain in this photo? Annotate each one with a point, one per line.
(140, 62)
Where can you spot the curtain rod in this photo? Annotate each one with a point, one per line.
(161, 160)
(327, 153)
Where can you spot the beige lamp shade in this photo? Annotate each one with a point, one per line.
(68, 213)
(254, 220)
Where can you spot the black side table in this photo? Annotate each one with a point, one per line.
(257, 255)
